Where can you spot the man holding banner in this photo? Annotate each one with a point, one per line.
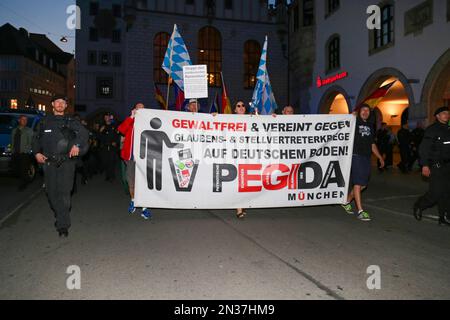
(229, 162)
(193, 106)
(126, 129)
(364, 146)
(288, 111)
(239, 162)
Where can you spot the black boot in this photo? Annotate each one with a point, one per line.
(444, 221)
(63, 233)
(417, 212)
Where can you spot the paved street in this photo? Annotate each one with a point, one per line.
(11, 199)
(309, 253)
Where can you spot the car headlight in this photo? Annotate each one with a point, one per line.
(8, 150)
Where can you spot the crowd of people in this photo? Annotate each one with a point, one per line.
(67, 148)
(407, 141)
(102, 156)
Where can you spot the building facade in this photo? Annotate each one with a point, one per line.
(227, 36)
(351, 60)
(302, 52)
(32, 70)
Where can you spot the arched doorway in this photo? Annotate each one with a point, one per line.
(392, 107)
(335, 101)
(436, 90)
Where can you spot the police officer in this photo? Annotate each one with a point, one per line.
(60, 139)
(434, 155)
(109, 147)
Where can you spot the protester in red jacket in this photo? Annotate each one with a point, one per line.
(126, 153)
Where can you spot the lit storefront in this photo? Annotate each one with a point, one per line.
(351, 61)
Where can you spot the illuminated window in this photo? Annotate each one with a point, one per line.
(160, 43)
(210, 53)
(252, 54)
(13, 103)
(104, 87)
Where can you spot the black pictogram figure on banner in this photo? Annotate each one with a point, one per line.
(152, 147)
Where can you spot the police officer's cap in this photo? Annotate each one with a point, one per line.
(192, 101)
(58, 97)
(442, 109)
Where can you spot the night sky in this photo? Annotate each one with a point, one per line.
(43, 16)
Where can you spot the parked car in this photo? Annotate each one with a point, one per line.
(8, 121)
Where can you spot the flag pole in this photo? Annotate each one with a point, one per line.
(168, 93)
(170, 63)
(221, 77)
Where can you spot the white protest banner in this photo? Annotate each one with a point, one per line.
(195, 82)
(186, 160)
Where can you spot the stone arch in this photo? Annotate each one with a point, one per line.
(329, 96)
(378, 77)
(435, 85)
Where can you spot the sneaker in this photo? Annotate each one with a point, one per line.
(146, 214)
(348, 208)
(131, 208)
(364, 216)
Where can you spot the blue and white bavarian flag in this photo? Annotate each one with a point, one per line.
(176, 58)
(263, 98)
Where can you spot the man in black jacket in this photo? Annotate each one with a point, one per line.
(404, 141)
(60, 139)
(435, 158)
(109, 140)
(417, 136)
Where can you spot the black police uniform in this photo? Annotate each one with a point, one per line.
(434, 152)
(56, 135)
(109, 150)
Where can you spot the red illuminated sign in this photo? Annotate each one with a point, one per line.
(323, 82)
